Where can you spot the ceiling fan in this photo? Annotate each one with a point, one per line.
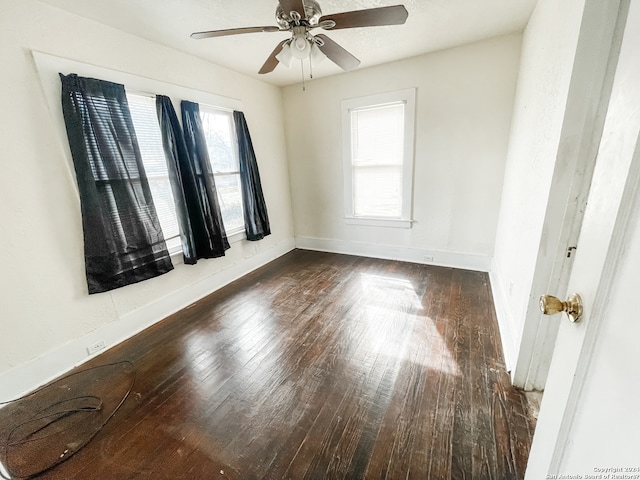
(302, 16)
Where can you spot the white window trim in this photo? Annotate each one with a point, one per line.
(378, 222)
(408, 97)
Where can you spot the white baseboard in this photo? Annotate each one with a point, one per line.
(30, 375)
(505, 319)
(481, 263)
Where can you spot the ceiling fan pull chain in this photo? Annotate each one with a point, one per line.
(304, 88)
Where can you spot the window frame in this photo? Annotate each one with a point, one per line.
(408, 97)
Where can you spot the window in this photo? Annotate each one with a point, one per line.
(222, 148)
(145, 122)
(219, 133)
(378, 158)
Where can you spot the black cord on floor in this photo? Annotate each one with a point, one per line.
(46, 417)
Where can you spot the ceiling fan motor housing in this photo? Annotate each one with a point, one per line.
(312, 13)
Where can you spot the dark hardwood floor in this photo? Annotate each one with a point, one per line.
(316, 366)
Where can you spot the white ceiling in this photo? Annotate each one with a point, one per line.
(432, 25)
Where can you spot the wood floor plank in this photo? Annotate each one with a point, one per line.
(315, 366)
(466, 411)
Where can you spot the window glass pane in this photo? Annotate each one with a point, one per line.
(377, 191)
(218, 129)
(230, 197)
(377, 152)
(220, 136)
(377, 135)
(145, 122)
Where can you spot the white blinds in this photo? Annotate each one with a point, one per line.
(377, 153)
(145, 122)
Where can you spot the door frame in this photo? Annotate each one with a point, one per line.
(588, 97)
(613, 203)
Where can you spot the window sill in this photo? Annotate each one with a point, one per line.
(236, 237)
(379, 222)
(175, 251)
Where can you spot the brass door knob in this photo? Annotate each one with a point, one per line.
(550, 305)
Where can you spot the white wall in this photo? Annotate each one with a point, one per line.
(464, 105)
(547, 59)
(47, 316)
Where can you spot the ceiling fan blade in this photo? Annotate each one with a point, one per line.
(337, 54)
(293, 6)
(272, 61)
(234, 31)
(372, 17)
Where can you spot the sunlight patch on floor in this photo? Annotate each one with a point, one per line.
(394, 332)
(382, 287)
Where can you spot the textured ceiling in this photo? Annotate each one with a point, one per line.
(432, 25)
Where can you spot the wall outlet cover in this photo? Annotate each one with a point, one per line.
(96, 347)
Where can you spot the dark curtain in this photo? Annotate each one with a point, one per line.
(201, 223)
(123, 240)
(179, 170)
(256, 219)
(199, 154)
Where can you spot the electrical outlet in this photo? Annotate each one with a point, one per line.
(96, 347)
(428, 258)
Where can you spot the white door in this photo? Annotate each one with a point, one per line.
(589, 423)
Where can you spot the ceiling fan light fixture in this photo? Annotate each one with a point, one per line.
(285, 57)
(316, 54)
(300, 47)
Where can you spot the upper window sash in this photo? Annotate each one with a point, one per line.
(233, 165)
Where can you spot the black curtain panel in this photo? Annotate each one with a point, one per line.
(199, 154)
(179, 169)
(207, 238)
(123, 240)
(256, 219)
